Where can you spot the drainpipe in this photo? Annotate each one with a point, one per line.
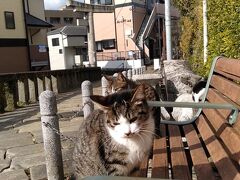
(168, 29)
(26, 31)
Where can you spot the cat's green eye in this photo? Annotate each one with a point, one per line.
(133, 120)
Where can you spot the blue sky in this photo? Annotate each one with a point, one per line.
(53, 4)
(56, 4)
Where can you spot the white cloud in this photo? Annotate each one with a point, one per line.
(53, 4)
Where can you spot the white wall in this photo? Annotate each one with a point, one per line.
(119, 63)
(69, 57)
(56, 60)
(156, 64)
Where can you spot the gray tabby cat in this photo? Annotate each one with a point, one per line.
(113, 141)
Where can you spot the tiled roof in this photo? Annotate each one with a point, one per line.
(70, 31)
(36, 22)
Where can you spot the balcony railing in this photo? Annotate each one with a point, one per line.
(122, 55)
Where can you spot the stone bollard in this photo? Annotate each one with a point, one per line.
(124, 73)
(87, 91)
(52, 143)
(104, 86)
(129, 74)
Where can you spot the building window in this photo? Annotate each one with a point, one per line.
(60, 51)
(9, 20)
(99, 47)
(55, 42)
(103, 2)
(68, 20)
(109, 44)
(54, 20)
(108, 2)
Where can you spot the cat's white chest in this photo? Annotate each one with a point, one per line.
(137, 151)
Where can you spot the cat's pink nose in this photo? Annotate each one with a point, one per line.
(127, 134)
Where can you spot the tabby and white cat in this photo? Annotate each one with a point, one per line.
(114, 140)
(119, 83)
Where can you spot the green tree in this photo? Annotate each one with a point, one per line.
(223, 31)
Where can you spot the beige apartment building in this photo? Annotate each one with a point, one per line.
(23, 36)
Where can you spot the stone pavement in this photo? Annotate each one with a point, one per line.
(21, 144)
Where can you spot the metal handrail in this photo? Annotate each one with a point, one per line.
(200, 106)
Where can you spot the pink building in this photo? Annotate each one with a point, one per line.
(134, 27)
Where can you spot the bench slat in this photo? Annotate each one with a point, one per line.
(143, 168)
(226, 87)
(201, 164)
(228, 65)
(160, 160)
(215, 97)
(228, 135)
(229, 76)
(223, 163)
(178, 157)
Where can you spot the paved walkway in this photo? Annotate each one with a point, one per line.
(21, 143)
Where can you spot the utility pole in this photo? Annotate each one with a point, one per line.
(91, 41)
(205, 35)
(124, 39)
(168, 29)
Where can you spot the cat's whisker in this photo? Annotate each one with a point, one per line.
(148, 132)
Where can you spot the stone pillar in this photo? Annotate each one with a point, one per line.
(21, 92)
(133, 71)
(91, 41)
(104, 86)
(47, 83)
(124, 73)
(115, 75)
(40, 85)
(32, 90)
(54, 84)
(87, 91)
(52, 143)
(129, 74)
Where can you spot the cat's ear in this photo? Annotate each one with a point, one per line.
(101, 100)
(139, 93)
(108, 78)
(121, 77)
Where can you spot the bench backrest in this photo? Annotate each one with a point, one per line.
(221, 139)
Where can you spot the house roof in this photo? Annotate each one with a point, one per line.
(70, 31)
(36, 22)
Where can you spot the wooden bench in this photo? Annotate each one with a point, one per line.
(209, 147)
(206, 147)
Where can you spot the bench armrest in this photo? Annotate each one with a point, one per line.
(232, 119)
